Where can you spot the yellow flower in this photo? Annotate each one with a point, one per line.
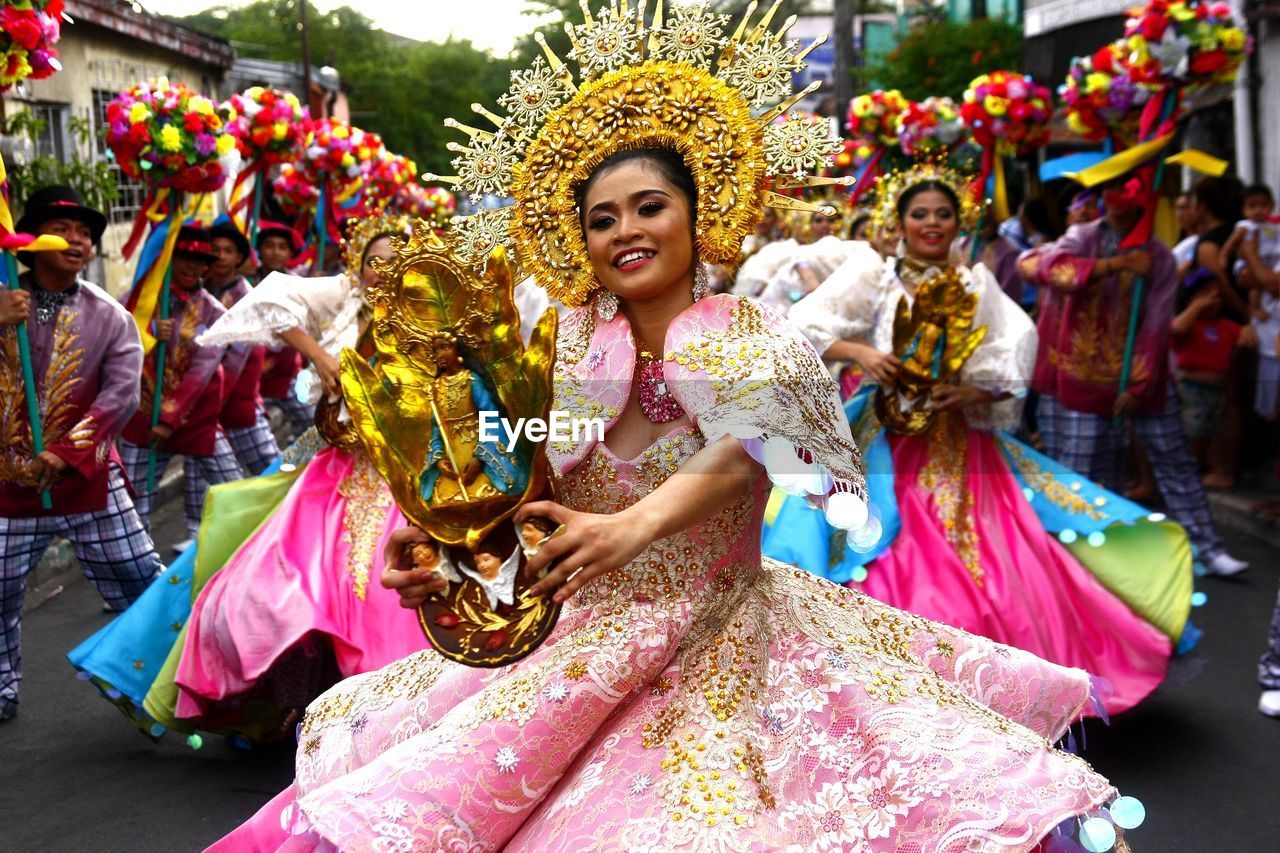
(292, 100)
(861, 107)
(254, 92)
(348, 161)
(139, 112)
(170, 138)
(994, 105)
(1232, 40)
(1097, 82)
(1077, 124)
(200, 105)
(280, 130)
(226, 144)
(341, 132)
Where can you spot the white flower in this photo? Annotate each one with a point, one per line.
(836, 660)
(392, 838)
(506, 759)
(556, 691)
(395, 809)
(880, 800)
(641, 783)
(834, 825)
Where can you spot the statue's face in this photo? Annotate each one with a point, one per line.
(446, 355)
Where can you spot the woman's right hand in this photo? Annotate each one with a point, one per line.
(328, 369)
(883, 367)
(399, 573)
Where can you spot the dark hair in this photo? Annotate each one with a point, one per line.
(904, 200)
(667, 163)
(1255, 190)
(1037, 213)
(1223, 196)
(863, 219)
(1193, 283)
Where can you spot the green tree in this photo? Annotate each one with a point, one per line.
(400, 89)
(90, 176)
(938, 57)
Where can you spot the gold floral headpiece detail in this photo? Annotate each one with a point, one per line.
(683, 82)
(362, 232)
(890, 187)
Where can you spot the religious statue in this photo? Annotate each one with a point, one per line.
(449, 357)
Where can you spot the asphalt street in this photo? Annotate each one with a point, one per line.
(77, 777)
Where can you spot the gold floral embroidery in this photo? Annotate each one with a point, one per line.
(57, 400)
(1095, 348)
(1057, 493)
(367, 501)
(177, 362)
(946, 476)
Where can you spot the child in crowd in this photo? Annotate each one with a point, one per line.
(1203, 341)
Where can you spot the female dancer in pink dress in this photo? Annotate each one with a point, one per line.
(965, 542)
(295, 607)
(693, 695)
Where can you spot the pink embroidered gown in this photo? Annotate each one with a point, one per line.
(701, 698)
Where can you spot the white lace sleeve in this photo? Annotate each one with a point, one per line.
(279, 303)
(1005, 359)
(844, 306)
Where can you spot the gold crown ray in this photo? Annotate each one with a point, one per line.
(678, 82)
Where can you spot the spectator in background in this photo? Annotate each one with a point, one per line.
(1203, 341)
(1184, 253)
(1030, 228)
(1217, 205)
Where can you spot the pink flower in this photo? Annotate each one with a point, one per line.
(22, 26)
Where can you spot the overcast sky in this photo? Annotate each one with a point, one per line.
(491, 24)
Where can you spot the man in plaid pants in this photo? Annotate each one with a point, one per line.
(192, 391)
(277, 245)
(1087, 281)
(86, 356)
(243, 417)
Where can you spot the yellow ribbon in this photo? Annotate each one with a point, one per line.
(1199, 161)
(1000, 199)
(1119, 165)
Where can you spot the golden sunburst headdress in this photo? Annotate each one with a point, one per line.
(890, 187)
(362, 232)
(684, 82)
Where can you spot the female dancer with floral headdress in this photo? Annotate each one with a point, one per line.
(969, 514)
(692, 696)
(276, 614)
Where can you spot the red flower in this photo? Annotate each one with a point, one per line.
(139, 135)
(1208, 63)
(22, 25)
(193, 122)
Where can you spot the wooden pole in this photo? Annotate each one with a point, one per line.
(28, 378)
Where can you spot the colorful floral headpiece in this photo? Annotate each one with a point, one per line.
(1194, 43)
(930, 128)
(361, 232)
(891, 186)
(28, 31)
(686, 83)
(1007, 112)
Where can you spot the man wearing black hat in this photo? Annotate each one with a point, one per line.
(192, 390)
(277, 245)
(86, 356)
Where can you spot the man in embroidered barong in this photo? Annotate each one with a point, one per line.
(191, 400)
(86, 356)
(1088, 282)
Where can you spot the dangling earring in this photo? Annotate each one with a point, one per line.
(701, 282)
(606, 304)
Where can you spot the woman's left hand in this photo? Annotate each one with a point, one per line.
(946, 398)
(590, 545)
